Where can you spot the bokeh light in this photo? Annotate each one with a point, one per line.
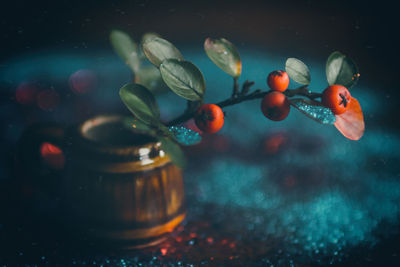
(83, 81)
(52, 155)
(26, 92)
(297, 182)
(47, 100)
(274, 143)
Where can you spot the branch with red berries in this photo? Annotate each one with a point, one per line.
(244, 96)
(336, 106)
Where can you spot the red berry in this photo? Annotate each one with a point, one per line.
(337, 98)
(278, 80)
(275, 106)
(209, 118)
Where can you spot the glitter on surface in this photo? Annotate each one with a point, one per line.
(185, 136)
(319, 113)
(295, 193)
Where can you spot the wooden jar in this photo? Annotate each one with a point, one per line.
(118, 185)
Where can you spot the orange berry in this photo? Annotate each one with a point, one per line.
(275, 106)
(337, 98)
(209, 118)
(278, 80)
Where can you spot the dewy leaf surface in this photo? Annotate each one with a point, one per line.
(185, 136)
(314, 110)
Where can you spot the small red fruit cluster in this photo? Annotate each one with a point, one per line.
(275, 104)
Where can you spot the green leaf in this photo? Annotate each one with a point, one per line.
(174, 151)
(341, 70)
(150, 77)
(138, 126)
(184, 79)
(185, 136)
(157, 50)
(298, 71)
(314, 110)
(126, 48)
(141, 102)
(163, 131)
(225, 55)
(149, 35)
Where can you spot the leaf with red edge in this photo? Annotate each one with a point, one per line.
(351, 123)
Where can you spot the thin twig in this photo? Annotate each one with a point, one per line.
(236, 99)
(235, 90)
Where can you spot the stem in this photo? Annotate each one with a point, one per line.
(182, 118)
(302, 91)
(235, 99)
(235, 90)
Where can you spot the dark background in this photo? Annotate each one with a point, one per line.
(365, 30)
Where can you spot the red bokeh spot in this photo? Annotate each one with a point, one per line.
(274, 143)
(48, 99)
(83, 81)
(221, 143)
(192, 235)
(26, 93)
(290, 181)
(52, 155)
(164, 251)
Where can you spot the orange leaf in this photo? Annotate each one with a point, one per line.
(351, 123)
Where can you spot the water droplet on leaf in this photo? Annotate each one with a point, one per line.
(185, 136)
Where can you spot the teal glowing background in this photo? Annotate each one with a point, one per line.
(318, 193)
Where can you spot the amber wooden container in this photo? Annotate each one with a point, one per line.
(118, 185)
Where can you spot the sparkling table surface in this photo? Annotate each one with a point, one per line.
(259, 193)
